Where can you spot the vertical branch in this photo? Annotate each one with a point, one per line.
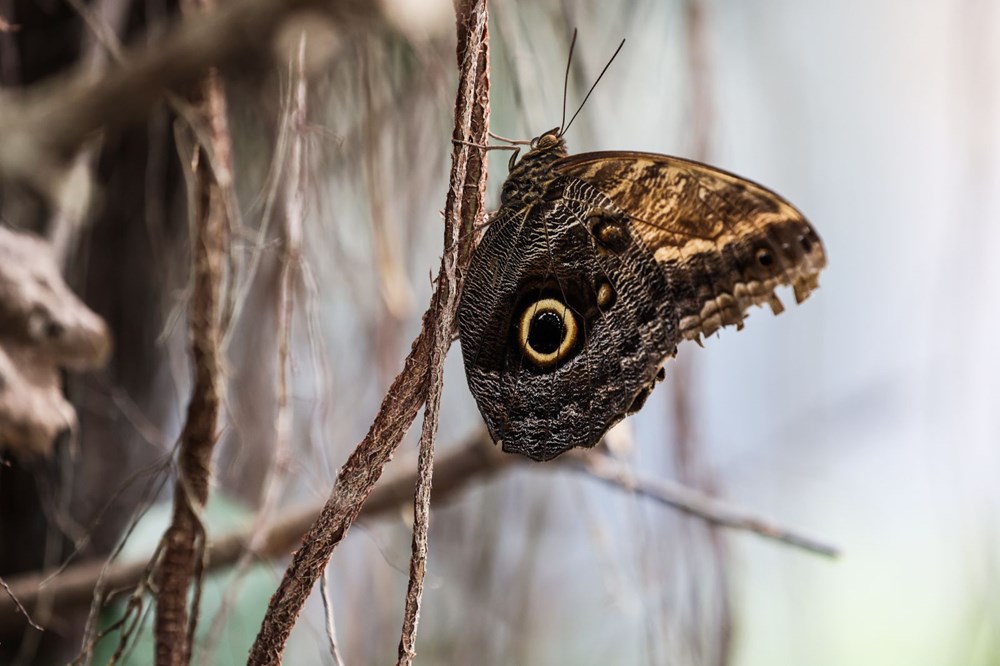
(291, 155)
(180, 555)
(184, 541)
(473, 62)
(422, 368)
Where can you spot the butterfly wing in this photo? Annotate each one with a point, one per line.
(588, 279)
(541, 269)
(726, 243)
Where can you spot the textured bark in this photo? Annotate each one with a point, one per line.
(184, 540)
(43, 327)
(464, 204)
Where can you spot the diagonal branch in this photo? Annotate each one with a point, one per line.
(357, 478)
(74, 586)
(472, 461)
(693, 501)
(45, 125)
(462, 212)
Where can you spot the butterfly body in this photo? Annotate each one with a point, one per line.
(595, 268)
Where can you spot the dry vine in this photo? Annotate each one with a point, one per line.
(421, 376)
(184, 540)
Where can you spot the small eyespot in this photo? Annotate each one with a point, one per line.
(54, 329)
(609, 231)
(547, 332)
(605, 296)
(764, 257)
(806, 243)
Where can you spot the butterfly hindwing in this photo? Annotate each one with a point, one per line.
(549, 256)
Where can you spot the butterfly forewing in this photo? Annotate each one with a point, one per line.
(725, 241)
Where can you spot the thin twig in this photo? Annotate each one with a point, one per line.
(98, 599)
(293, 124)
(331, 627)
(693, 502)
(17, 604)
(74, 586)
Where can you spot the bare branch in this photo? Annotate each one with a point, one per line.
(293, 124)
(693, 502)
(17, 604)
(331, 628)
(472, 461)
(184, 539)
(421, 370)
(470, 112)
(73, 587)
(45, 125)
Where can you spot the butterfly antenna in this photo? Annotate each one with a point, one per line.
(569, 61)
(599, 76)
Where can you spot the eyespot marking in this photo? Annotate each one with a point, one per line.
(609, 231)
(806, 242)
(764, 257)
(606, 296)
(547, 332)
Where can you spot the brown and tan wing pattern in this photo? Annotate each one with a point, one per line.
(725, 242)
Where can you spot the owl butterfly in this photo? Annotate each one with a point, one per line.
(595, 267)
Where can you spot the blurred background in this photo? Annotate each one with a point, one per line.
(869, 416)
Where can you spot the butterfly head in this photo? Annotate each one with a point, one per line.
(527, 177)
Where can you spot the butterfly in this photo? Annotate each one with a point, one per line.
(596, 266)
(592, 271)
